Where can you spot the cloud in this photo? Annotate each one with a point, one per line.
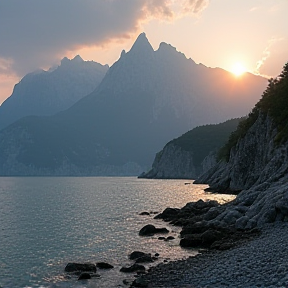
(196, 6)
(5, 65)
(266, 55)
(34, 33)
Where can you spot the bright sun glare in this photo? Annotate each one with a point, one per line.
(238, 69)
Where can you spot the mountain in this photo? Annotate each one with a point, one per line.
(189, 155)
(47, 92)
(145, 99)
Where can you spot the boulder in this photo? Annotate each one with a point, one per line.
(76, 267)
(190, 241)
(195, 228)
(144, 213)
(133, 268)
(104, 265)
(150, 230)
(145, 259)
(136, 254)
(140, 282)
(212, 213)
(84, 275)
(169, 238)
(231, 217)
(210, 236)
(168, 214)
(241, 223)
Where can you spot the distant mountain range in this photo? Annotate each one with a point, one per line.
(47, 92)
(146, 99)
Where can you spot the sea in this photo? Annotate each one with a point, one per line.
(47, 222)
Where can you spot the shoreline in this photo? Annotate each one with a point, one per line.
(259, 262)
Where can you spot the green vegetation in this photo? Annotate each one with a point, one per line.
(274, 103)
(204, 139)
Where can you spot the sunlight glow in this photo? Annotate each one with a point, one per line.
(238, 69)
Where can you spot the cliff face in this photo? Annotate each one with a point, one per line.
(255, 159)
(258, 163)
(191, 154)
(172, 162)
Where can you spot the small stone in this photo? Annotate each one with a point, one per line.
(144, 213)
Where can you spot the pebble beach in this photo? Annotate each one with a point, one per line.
(260, 262)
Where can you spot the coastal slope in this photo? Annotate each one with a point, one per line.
(191, 154)
(256, 153)
(253, 164)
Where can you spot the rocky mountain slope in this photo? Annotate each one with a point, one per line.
(145, 99)
(256, 152)
(191, 154)
(47, 92)
(256, 162)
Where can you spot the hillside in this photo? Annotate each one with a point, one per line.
(43, 93)
(256, 152)
(146, 99)
(191, 154)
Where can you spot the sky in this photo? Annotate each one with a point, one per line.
(36, 34)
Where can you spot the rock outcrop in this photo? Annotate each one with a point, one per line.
(172, 162)
(191, 154)
(257, 164)
(254, 160)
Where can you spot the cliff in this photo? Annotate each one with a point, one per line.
(256, 166)
(189, 155)
(257, 151)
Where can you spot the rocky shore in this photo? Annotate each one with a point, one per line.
(246, 241)
(261, 262)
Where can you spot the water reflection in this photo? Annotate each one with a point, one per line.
(47, 222)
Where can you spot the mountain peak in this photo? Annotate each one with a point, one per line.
(165, 46)
(75, 62)
(141, 45)
(77, 59)
(64, 61)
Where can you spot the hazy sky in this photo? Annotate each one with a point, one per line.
(218, 33)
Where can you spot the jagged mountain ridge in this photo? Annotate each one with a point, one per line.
(145, 99)
(48, 92)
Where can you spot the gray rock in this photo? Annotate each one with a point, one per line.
(241, 222)
(86, 267)
(150, 230)
(133, 268)
(84, 276)
(104, 265)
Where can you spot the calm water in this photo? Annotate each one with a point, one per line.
(46, 222)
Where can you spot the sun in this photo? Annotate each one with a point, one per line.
(238, 69)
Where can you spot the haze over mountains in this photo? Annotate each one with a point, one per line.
(146, 99)
(47, 92)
